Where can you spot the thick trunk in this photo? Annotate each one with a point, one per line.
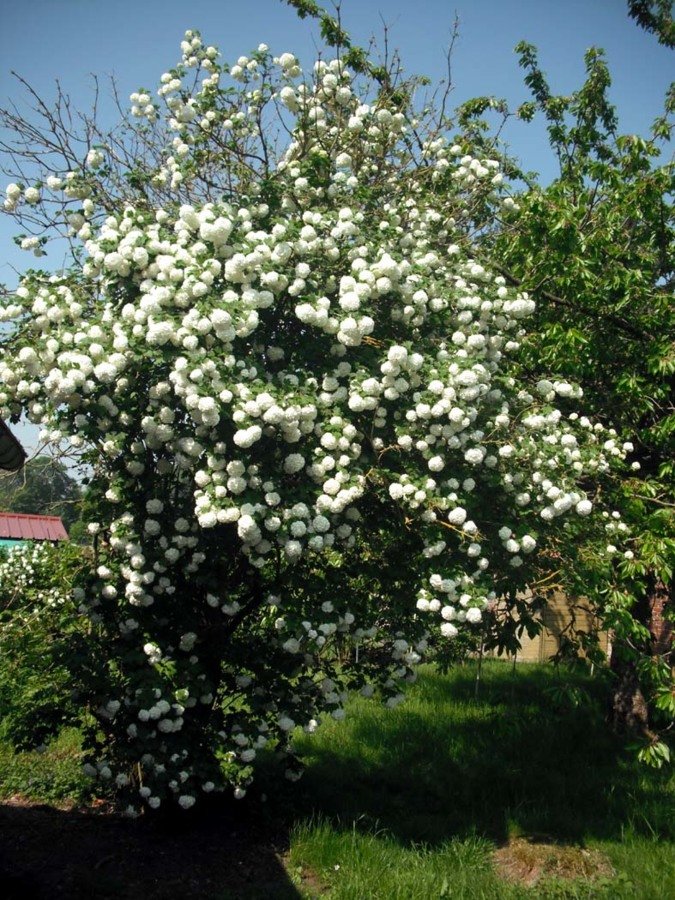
(629, 710)
(660, 628)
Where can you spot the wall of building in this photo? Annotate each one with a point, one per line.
(561, 617)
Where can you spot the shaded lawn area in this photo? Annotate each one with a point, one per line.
(519, 758)
(412, 802)
(405, 803)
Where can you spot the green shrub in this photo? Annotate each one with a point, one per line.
(40, 627)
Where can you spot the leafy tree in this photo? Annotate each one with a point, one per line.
(290, 375)
(595, 249)
(42, 487)
(655, 16)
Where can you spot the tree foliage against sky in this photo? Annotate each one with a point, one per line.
(655, 16)
(42, 487)
(595, 247)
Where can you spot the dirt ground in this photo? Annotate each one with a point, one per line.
(93, 853)
(526, 862)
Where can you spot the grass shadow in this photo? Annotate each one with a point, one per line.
(521, 759)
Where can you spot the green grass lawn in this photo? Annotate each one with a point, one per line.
(51, 776)
(414, 802)
(411, 803)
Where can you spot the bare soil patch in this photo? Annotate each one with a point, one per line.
(527, 861)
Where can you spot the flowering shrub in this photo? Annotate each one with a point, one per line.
(286, 368)
(39, 629)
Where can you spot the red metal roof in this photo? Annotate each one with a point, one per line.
(21, 526)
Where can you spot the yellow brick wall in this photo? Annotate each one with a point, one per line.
(560, 616)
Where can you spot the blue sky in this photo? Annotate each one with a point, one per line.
(136, 40)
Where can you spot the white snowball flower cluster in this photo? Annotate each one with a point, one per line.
(251, 368)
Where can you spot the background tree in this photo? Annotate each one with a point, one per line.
(655, 16)
(595, 248)
(42, 487)
(43, 637)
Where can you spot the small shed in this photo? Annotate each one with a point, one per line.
(561, 618)
(21, 528)
(12, 454)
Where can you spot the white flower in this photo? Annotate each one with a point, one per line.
(396, 491)
(152, 651)
(475, 455)
(293, 463)
(527, 543)
(94, 158)
(457, 516)
(436, 463)
(449, 630)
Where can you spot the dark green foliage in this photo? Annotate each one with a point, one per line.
(655, 16)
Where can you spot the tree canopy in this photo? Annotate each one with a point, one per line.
(42, 487)
(655, 16)
(595, 248)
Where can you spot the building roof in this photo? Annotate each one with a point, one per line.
(21, 526)
(12, 454)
